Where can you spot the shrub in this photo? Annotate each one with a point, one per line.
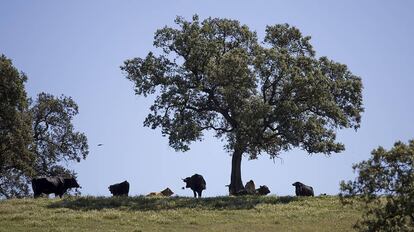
(385, 185)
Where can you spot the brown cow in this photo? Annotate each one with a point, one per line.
(164, 193)
(250, 187)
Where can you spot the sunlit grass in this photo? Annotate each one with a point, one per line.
(251, 213)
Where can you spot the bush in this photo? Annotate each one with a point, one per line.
(385, 185)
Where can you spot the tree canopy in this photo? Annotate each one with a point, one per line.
(37, 138)
(261, 97)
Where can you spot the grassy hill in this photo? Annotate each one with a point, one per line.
(177, 214)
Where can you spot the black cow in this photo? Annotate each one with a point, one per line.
(303, 190)
(263, 190)
(56, 185)
(197, 183)
(120, 189)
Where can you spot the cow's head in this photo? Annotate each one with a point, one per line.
(71, 183)
(167, 192)
(297, 184)
(263, 190)
(187, 182)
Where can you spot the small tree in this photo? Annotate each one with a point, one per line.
(35, 139)
(385, 184)
(261, 97)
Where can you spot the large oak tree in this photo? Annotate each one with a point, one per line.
(261, 97)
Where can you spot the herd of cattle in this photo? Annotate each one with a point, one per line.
(59, 185)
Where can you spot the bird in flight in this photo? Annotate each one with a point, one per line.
(100, 144)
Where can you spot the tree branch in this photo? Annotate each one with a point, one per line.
(217, 128)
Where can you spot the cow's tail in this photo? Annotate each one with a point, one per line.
(203, 184)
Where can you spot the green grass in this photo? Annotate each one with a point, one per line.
(250, 213)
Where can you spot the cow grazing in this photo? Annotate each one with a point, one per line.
(250, 187)
(263, 190)
(56, 185)
(197, 183)
(302, 189)
(120, 189)
(164, 193)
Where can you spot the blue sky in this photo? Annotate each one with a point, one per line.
(75, 48)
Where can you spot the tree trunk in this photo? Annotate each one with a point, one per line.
(236, 184)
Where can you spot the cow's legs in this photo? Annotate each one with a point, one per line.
(195, 195)
(58, 194)
(199, 194)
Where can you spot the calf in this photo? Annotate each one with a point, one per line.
(197, 183)
(56, 185)
(120, 189)
(302, 189)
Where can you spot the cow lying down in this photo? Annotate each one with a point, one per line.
(164, 193)
(56, 185)
(250, 189)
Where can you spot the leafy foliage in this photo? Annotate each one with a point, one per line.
(55, 140)
(14, 183)
(386, 186)
(35, 139)
(261, 97)
(16, 159)
(214, 75)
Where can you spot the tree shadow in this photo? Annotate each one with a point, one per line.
(141, 203)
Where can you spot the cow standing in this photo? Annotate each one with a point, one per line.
(303, 190)
(197, 183)
(56, 185)
(120, 189)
